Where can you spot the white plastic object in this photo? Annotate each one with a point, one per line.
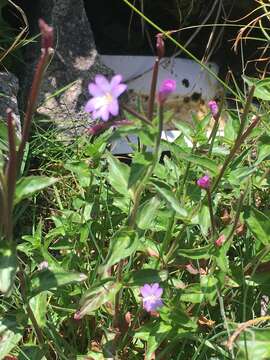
(190, 78)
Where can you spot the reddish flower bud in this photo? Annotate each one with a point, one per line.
(204, 182)
(46, 35)
(220, 241)
(160, 46)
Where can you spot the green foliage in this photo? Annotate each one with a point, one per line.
(89, 230)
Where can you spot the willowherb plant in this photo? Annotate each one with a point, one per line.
(175, 247)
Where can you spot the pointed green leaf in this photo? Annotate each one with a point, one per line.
(123, 244)
(145, 276)
(254, 344)
(10, 333)
(259, 224)
(95, 297)
(262, 87)
(118, 175)
(172, 201)
(48, 279)
(139, 166)
(147, 213)
(28, 186)
(203, 252)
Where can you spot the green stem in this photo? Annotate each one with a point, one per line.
(30, 313)
(211, 212)
(239, 141)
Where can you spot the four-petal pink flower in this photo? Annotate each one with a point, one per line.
(105, 97)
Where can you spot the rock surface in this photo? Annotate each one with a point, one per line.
(75, 62)
(8, 97)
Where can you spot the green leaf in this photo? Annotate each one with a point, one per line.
(262, 87)
(204, 219)
(47, 280)
(158, 335)
(123, 244)
(82, 171)
(38, 305)
(29, 352)
(147, 213)
(209, 288)
(11, 334)
(203, 252)
(259, 224)
(27, 186)
(8, 267)
(154, 333)
(145, 276)
(253, 344)
(118, 175)
(231, 126)
(237, 176)
(201, 161)
(170, 198)
(139, 167)
(192, 293)
(263, 149)
(95, 297)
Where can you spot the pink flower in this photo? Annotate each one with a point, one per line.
(105, 94)
(151, 296)
(204, 182)
(167, 87)
(220, 241)
(213, 106)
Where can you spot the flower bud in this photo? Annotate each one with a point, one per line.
(167, 87)
(160, 46)
(213, 106)
(220, 241)
(204, 182)
(46, 35)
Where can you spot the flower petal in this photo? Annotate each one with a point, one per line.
(158, 292)
(145, 290)
(95, 90)
(114, 107)
(90, 105)
(116, 80)
(118, 90)
(104, 113)
(102, 83)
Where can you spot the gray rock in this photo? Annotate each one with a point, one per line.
(8, 97)
(74, 64)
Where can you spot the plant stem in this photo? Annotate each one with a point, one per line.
(239, 141)
(10, 175)
(211, 212)
(151, 101)
(243, 327)
(30, 313)
(135, 113)
(40, 69)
